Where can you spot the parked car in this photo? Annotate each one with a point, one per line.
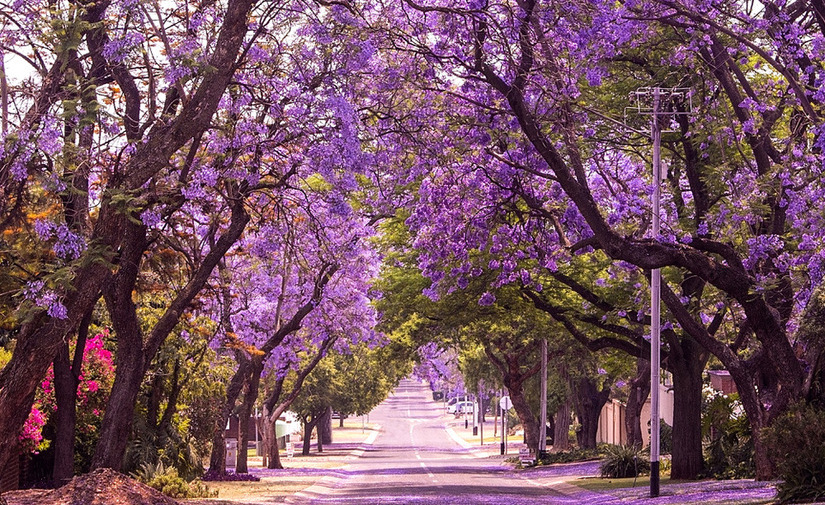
(464, 407)
(456, 399)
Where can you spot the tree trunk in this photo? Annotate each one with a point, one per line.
(525, 415)
(270, 442)
(217, 459)
(308, 427)
(120, 409)
(561, 435)
(325, 427)
(320, 421)
(687, 460)
(65, 392)
(247, 408)
(639, 391)
(131, 361)
(588, 403)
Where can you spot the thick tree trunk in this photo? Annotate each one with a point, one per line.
(270, 442)
(588, 402)
(687, 459)
(37, 344)
(525, 415)
(639, 391)
(65, 392)
(320, 421)
(247, 408)
(131, 361)
(120, 409)
(66, 380)
(561, 434)
(325, 427)
(308, 427)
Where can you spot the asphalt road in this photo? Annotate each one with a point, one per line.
(414, 460)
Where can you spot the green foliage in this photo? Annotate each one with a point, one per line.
(166, 480)
(189, 372)
(623, 461)
(728, 440)
(5, 356)
(665, 438)
(796, 443)
(351, 383)
(570, 456)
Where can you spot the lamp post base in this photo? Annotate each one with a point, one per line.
(654, 479)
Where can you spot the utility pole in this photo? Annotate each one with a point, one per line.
(543, 408)
(481, 416)
(666, 102)
(655, 300)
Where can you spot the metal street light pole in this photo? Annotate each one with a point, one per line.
(655, 310)
(666, 102)
(543, 407)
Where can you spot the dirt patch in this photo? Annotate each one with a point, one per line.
(100, 487)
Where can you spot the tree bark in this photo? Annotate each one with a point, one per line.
(588, 403)
(270, 442)
(66, 381)
(308, 427)
(247, 408)
(65, 392)
(639, 391)
(525, 415)
(687, 458)
(325, 427)
(561, 434)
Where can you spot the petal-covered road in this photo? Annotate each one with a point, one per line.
(414, 460)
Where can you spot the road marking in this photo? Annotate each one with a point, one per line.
(429, 473)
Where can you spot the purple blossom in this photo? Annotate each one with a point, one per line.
(117, 50)
(150, 217)
(487, 299)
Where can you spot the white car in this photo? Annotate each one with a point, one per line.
(460, 408)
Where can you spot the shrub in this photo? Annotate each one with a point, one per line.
(665, 438)
(167, 481)
(728, 440)
(569, 456)
(622, 461)
(796, 443)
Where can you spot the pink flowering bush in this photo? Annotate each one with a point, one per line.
(96, 377)
(32, 435)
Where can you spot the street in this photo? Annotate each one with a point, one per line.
(414, 460)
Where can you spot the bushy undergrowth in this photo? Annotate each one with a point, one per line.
(796, 443)
(167, 481)
(728, 439)
(570, 456)
(621, 461)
